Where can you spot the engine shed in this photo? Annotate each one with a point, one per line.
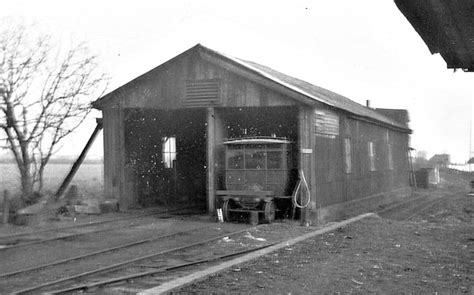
(166, 133)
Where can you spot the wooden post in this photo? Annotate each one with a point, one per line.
(6, 207)
(306, 155)
(412, 170)
(211, 146)
(314, 198)
(79, 160)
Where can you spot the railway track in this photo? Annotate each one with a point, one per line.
(408, 209)
(150, 274)
(156, 270)
(196, 246)
(158, 257)
(88, 255)
(41, 236)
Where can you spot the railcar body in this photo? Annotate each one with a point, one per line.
(258, 177)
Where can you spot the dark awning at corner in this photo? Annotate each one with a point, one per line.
(446, 26)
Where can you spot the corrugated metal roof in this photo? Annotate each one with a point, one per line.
(312, 91)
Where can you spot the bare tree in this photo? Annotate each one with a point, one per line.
(45, 95)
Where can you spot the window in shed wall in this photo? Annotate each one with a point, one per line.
(371, 147)
(348, 154)
(388, 150)
(390, 156)
(169, 151)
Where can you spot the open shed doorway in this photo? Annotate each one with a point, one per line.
(166, 154)
(260, 122)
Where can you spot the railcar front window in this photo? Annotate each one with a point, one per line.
(254, 159)
(275, 160)
(235, 158)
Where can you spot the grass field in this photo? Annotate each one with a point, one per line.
(89, 178)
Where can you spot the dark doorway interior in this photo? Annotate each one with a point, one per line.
(281, 122)
(166, 152)
(260, 121)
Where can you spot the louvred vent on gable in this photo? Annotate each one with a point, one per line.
(203, 92)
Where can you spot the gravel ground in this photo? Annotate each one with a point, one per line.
(432, 253)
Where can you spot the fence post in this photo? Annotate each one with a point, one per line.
(6, 207)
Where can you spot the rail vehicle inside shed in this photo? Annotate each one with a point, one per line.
(259, 177)
(167, 156)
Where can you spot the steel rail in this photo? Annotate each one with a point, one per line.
(159, 270)
(46, 265)
(56, 238)
(431, 204)
(401, 204)
(425, 200)
(98, 222)
(412, 200)
(74, 235)
(121, 264)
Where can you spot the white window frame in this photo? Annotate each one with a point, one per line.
(390, 156)
(371, 150)
(168, 151)
(348, 154)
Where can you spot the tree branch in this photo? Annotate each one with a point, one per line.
(44, 95)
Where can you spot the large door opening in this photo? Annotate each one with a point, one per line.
(272, 122)
(166, 154)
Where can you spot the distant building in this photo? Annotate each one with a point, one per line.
(440, 160)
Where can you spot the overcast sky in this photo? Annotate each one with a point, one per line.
(364, 50)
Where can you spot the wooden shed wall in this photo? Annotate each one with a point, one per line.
(114, 169)
(335, 185)
(165, 87)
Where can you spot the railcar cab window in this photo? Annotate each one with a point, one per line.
(256, 157)
(169, 151)
(235, 157)
(275, 160)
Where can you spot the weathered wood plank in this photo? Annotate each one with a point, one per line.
(211, 175)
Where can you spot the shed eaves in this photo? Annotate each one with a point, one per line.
(312, 91)
(301, 87)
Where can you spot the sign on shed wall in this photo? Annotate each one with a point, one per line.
(326, 123)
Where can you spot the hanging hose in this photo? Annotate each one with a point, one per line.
(297, 189)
